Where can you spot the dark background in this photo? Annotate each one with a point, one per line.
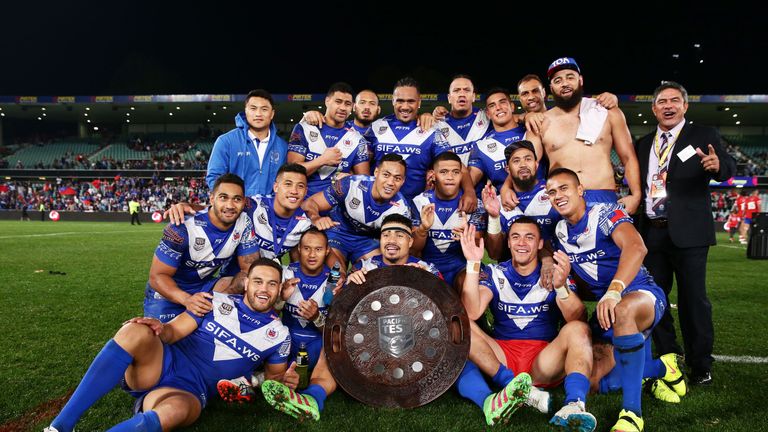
(164, 48)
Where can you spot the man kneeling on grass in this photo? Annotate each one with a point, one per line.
(173, 368)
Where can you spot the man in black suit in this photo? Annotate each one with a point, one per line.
(677, 162)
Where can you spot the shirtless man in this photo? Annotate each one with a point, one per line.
(589, 158)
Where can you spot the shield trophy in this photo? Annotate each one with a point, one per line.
(399, 340)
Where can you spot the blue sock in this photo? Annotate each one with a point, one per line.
(472, 385)
(317, 392)
(576, 387)
(654, 368)
(503, 376)
(105, 372)
(611, 382)
(141, 422)
(632, 357)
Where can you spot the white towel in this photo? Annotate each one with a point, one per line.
(592, 117)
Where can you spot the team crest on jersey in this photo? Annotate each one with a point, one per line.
(445, 132)
(480, 123)
(199, 243)
(271, 334)
(313, 136)
(543, 197)
(236, 236)
(225, 308)
(501, 282)
(382, 129)
(355, 203)
(347, 142)
(492, 147)
(262, 219)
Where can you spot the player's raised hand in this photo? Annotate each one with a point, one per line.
(562, 268)
(534, 122)
(607, 100)
(709, 161)
(315, 118)
(490, 200)
(425, 121)
(332, 156)
(308, 309)
(324, 223)
(288, 287)
(199, 303)
(291, 377)
(176, 213)
(440, 113)
(472, 251)
(357, 277)
(154, 324)
(427, 216)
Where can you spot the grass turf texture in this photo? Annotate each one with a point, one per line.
(54, 324)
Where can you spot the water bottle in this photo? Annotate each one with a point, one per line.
(302, 366)
(330, 284)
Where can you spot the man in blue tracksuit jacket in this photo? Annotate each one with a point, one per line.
(252, 150)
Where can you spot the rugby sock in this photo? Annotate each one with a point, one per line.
(632, 357)
(472, 385)
(654, 368)
(317, 392)
(576, 387)
(503, 376)
(105, 372)
(611, 382)
(141, 422)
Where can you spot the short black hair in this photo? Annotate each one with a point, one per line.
(407, 82)
(393, 157)
(446, 156)
(398, 218)
(367, 90)
(292, 167)
(525, 220)
(260, 93)
(530, 77)
(266, 262)
(670, 85)
(314, 230)
(229, 178)
(462, 76)
(566, 171)
(340, 87)
(495, 90)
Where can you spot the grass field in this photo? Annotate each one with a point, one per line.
(53, 324)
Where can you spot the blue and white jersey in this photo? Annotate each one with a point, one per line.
(232, 340)
(463, 132)
(441, 248)
(488, 156)
(522, 309)
(275, 235)
(350, 124)
(356, 210)
(593, 254)
(311, 142)
(377, 261)
(417, 147)
(197, 248)
(535, 204)
(309, 287)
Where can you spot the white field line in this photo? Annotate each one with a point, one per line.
(733, 247)
(65, 233)
(740, 359)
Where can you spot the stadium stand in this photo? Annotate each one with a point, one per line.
(34, 155)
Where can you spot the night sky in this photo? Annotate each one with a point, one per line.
(143, 48)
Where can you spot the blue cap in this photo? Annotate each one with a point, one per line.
(562, 63)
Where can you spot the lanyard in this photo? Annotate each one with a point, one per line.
(664, 157)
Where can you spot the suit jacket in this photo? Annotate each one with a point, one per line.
(688, 204)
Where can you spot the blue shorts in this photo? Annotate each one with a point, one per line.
(352, 246)
(157, 306)
(595, 196)
(747, 221)
(313, 345)
(449, 270)
(177, 373)
(659, 305)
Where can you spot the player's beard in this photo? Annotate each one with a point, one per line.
(362, 121)
(566, 104)
(524, 185)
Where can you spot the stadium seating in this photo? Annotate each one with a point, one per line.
(47, 153)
